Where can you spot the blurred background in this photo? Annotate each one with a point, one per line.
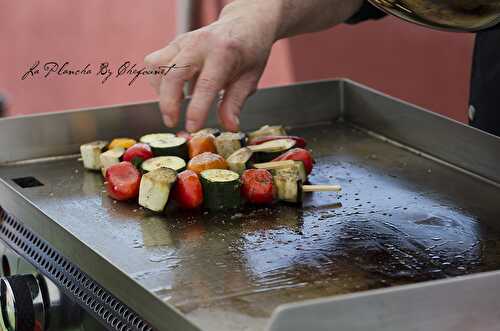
(425, 67)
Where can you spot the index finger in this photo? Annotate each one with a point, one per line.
(216, 72)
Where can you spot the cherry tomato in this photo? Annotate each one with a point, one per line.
(257, 186)
(138, 153)
(122, 181)
(188, 191)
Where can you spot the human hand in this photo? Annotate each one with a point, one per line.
(228, 55)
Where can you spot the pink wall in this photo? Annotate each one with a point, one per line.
(425, 67)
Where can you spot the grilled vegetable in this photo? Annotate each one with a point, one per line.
(152, 137)
(298, 154)
(288, 187)
(170, 146)
(138, 154)
(91, 154)
(257, 186)
(221, 189)
(122, 142)
(299, 141)
(212, 131)
(229, 142)
(188, 191)
(205, 161)
(287, 165)
(171, 162)
(122, 181)
(110, 157)
(155, 188)
(240, 160)
(266, 130)
(270, 150)
(201, 143)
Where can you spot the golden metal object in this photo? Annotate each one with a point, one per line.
(452, 15)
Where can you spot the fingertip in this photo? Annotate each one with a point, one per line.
(229, 122)
(234, 125)
(167, 120)
(192, 125)
(152, 58)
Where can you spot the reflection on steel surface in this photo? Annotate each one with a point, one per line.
(459, 15)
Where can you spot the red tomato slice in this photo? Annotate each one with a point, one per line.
(188, 191)
(123, 181)
(138, 153)
(257, 186)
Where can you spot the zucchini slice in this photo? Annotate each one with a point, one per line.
(267, 130)
(270, 150)
(240, 160)
(91, 154)
(276, 167)
(155, 188)
(167, 145)
(146, 139)
(171, 162)
(229, 142)
(288, 186)
(212, 131)
(221, 189)
(110, 157)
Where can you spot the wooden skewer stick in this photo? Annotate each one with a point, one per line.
(321, 188)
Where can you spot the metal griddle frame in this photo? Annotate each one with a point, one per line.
(121, 303)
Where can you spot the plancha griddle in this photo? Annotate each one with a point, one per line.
(412, 242)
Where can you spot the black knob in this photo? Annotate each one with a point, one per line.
(21, 302)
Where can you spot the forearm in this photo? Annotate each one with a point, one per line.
(287, 18)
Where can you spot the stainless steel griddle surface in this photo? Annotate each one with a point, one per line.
(400, 219)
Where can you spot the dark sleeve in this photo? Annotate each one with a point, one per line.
(366, 12)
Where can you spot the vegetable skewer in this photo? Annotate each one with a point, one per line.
(273, 166)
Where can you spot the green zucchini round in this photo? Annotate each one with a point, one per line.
(166, 144)
(171, 162)
(146, 139)
(221, 189)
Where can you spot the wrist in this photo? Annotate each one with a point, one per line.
(267, 14)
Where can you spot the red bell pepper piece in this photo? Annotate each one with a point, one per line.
(298, 154)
